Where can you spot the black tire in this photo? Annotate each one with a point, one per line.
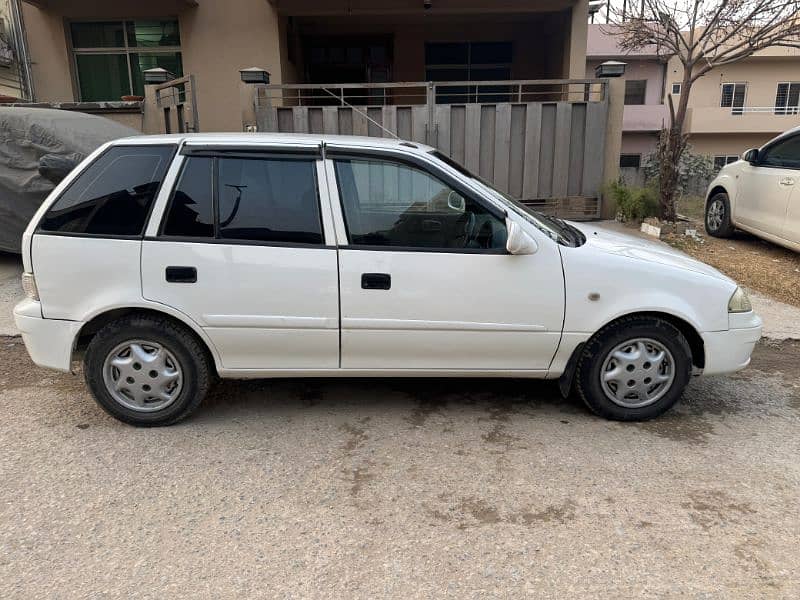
(725, 227)
(193, 358)
(598, 348)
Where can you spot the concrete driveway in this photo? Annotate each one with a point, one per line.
(401, 488)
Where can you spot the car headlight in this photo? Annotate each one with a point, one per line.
(739, 302)
(29, 286)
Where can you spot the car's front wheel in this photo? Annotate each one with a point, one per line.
(147, 370)
(718, 215)
(634, 369)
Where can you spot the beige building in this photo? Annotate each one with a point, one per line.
(741, 105)
(96, 51)
(731, 108)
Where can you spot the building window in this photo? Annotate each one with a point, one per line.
(721, 160)
(787, 99)
(635, 91)
(676, 88)
(630, 161)
(469, 61)
(111, 55)
(733, 97)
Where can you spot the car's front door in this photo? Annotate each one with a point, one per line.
(426, 282)
(766, 187)
(242, 251)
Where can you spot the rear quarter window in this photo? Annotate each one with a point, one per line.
(113, 195)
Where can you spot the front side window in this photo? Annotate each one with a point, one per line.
(389, 203)
(113, 195)
(110, 56)
(733, 96)
(785, 153)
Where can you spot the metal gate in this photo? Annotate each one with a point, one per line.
(540, 141)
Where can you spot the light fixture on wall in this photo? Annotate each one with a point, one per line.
(254, 75)
(157, 75)
(427, 4)
(610, 68)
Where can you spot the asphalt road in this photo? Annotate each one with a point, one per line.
(402, 488)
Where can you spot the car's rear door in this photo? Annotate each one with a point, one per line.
(242, 250)
(426, 281)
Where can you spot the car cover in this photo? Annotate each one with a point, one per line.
(38, 147)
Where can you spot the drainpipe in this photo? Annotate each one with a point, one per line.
(20, 39)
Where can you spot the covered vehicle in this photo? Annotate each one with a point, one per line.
(38, 147)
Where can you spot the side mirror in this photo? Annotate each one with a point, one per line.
(751, 156)
(519, 242)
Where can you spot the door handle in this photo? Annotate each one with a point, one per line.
(181, 274)
(787, 181)
(376, 281)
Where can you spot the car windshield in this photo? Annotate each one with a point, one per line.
(555, 228)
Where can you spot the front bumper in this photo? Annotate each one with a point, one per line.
(48, 341)
(729, 351)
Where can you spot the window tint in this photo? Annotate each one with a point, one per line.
(191, 207)
(269, 200)
(391, 204)
(113, 195)
(783, 154)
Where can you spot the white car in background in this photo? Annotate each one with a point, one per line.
(172, 259)
(759, 193)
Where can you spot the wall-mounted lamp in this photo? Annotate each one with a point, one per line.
(254, 75)
(610, 68)
(427, 4)
(157, 75)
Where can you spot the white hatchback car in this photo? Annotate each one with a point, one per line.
(760, 193)
(172, 259)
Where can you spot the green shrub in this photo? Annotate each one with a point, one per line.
(633, 203)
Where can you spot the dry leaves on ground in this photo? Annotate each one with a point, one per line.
(754, 263)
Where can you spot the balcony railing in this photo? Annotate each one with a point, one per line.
(745, 119)
(422, 93)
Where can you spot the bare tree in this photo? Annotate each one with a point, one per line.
(703, 34)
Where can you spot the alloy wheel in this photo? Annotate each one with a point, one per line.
(716, 212)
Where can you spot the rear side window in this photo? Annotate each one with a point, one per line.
(269, 200)
(113, 195)
(258, 199)
(191, 212)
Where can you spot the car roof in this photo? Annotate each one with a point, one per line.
(304, 139)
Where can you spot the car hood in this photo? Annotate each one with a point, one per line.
(601, 239)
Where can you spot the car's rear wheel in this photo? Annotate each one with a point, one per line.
(147, 370)
(718, 215)
(634, 369)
